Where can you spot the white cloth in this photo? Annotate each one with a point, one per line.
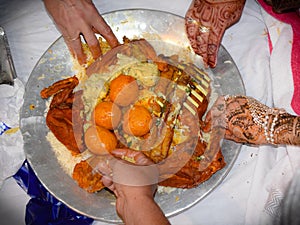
(251, 192)
(284, 161)
(11, 142)
(281, 37)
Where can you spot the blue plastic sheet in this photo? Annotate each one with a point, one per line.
(43, 208)
(3, 127)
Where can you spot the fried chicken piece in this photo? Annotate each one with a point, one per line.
(86, 178)
(196, 170)
(63, 117)
(68, 83)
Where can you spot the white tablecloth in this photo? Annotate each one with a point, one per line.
(251, 192)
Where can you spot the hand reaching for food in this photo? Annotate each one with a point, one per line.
(134, 184)
(206, 22)
(127, 167)
(246, 120)
(80, 17)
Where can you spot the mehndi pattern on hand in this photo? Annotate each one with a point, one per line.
(206, 22)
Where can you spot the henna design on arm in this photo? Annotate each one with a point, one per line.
(246, 120)
(287, 130)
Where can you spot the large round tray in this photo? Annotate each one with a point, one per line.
(56, 64)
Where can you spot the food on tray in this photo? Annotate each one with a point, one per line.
(136, 99)
(107, 115)
(86, 177)
(123, 90)
(63, 117)
(100, 140)
(137, 121)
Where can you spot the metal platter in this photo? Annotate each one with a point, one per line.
(160, 29)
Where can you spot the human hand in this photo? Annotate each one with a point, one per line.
(206, 22)
(132, 183)
(245, 120)
(130, 169)
(80, 17)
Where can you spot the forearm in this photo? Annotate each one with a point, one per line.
(141, 210)
(287, 129)
(279, 127)
(246, 120)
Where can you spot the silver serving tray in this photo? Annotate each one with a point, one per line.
(159, 28)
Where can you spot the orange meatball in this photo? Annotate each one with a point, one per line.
(99, 140)
(107, 115)
(137, 121)
(123, 90)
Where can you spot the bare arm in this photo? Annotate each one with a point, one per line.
(136, 208)
(134, 185)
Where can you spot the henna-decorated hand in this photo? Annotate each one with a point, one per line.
(206, 22)
(80, 17)
(245, 120)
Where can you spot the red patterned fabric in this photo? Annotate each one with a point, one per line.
(294, 20)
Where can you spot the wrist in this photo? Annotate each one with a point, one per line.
(137, 208)
(287, 129)
(133, 208)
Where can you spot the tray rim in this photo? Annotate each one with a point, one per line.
(176, 212)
